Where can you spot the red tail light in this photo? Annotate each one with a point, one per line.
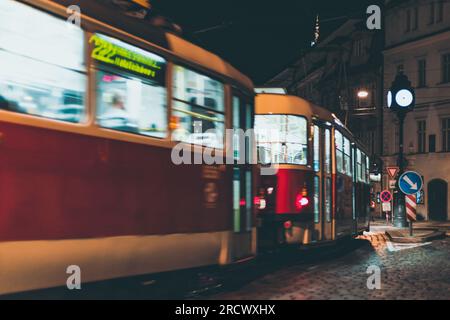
(287, 224)
(301, 201)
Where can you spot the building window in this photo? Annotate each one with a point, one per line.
(446, 134)
(43, 72)
(358, 50)
(415, 25)
(446, 68)
(422, 73)
(400, 68)
(431, 16)
(421, 135)
(432, 143)
(408, 21)
(440, 11)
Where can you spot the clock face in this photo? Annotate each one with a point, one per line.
(389, 99)
(404, 98)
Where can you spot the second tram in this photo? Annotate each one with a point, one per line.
(320, 191)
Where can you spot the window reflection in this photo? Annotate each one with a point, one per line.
(198, 108)
(281, 139)
(42, 66)
(131, 104)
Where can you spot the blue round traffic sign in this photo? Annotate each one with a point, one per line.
(410, 182)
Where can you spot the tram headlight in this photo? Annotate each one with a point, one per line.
(260, 203)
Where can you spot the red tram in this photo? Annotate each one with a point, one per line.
(88, 118)
(321, 189)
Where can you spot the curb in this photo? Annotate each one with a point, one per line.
(397, 236)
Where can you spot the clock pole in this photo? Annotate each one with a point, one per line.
(401, 100)
(399, 197)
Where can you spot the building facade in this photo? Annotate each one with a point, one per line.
(344, 73)
(417, 42)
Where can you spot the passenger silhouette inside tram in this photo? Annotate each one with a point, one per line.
(116, 116)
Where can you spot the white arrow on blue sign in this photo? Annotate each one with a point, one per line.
(410, 182)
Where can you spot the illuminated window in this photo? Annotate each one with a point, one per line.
(282, 138)
(198, 108)
(131, 93)
(316, 199)
(236, 199)
(327, 151)
(367, 169)
(42, 71)
(131, 104)
(359, 168)
(328, 199)
(316, 148)
(347, 158)
(339, 152)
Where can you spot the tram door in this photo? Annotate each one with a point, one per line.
(322, 183)
(243, 177)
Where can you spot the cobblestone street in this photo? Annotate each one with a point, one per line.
(408, 271)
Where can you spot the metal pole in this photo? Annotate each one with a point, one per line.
(399, 199)
(411, 228)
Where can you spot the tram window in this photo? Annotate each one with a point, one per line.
(367, 169)
(328, 199)
(316, 199)
(347, 157)
(236, 125)
(198, 108)
(327, 151)
(282, 137)
(339, 152)
(236, 199)
(359, 168)
(131, 93)
(316, 148)
(132, 105)
(35, 78)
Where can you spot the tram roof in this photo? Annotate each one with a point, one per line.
(178, 46)
(268, 103)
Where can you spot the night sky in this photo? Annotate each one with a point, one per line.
(258, 37)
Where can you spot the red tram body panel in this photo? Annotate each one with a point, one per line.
(87, 176)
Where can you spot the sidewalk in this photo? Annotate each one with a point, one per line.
(423, 231)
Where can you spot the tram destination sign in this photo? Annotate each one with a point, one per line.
(119, 54)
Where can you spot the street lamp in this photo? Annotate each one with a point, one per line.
(363, 94)
(401, 99)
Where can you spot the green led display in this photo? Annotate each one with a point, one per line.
(113, 54)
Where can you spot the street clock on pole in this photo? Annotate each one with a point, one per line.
(401, 97)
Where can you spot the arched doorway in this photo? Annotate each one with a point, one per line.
(437, 200)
